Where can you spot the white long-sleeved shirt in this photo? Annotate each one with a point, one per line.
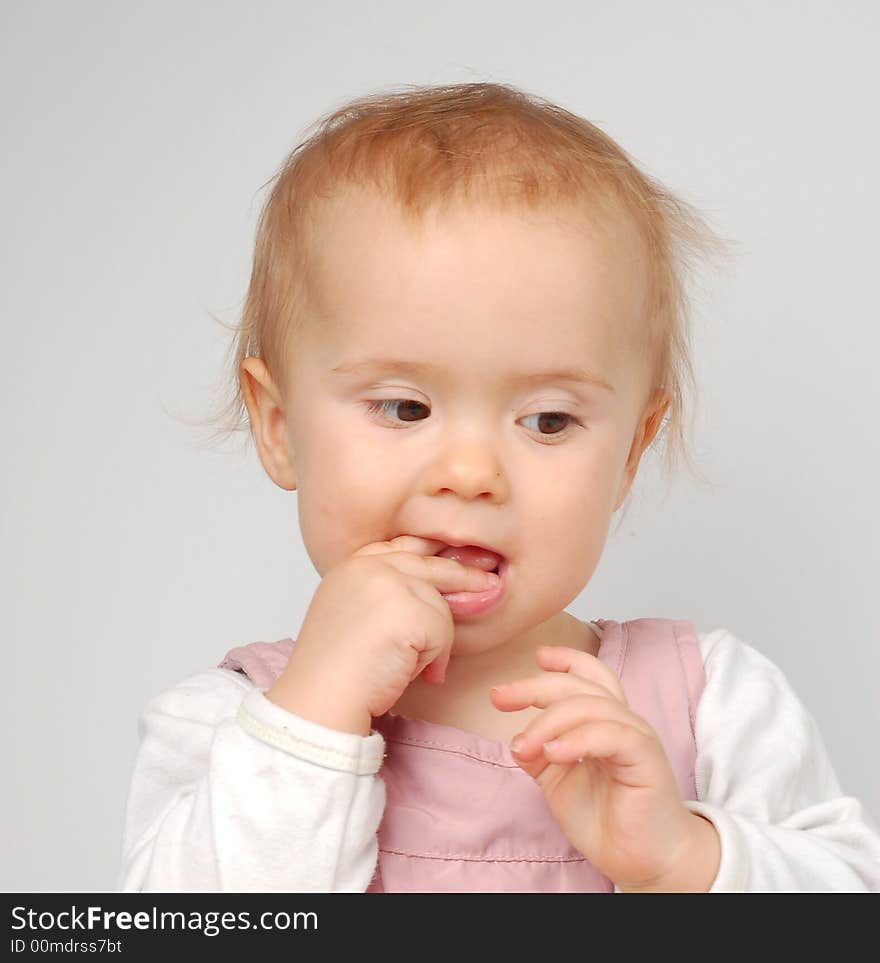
(233, 793)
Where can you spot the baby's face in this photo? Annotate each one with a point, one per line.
(428, 394)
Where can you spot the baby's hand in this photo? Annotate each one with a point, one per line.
(606, 776)
(377, 620)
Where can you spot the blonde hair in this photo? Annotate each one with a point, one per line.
(481, 143)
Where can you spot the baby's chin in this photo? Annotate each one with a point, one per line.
(473, 638)
(482, 636)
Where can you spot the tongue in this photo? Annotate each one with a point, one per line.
(472, 556)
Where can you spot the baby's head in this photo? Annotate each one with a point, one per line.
(466, 316)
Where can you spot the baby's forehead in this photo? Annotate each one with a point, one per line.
(476, 346)
(538, 270)
(364, 234)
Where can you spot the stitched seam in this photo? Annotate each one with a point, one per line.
(442, 747)
(301, 747)
(624, 647)
(483, 859)
(684, 675)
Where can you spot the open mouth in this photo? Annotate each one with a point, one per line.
(473, 604)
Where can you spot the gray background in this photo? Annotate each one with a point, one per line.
(136, 138)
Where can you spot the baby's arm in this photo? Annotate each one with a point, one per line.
(231, 792)
(765, 780)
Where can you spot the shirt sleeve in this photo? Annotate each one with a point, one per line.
(230, 792)
(764, 779)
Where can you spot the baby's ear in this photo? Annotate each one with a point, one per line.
(268, 422)
(646, 430)
(655, 414)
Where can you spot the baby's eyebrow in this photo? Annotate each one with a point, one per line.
(397, 366)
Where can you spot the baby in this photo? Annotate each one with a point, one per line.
(466, 324)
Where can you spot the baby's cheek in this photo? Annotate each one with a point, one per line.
(337, 519)
(320, 525)
(574, 559)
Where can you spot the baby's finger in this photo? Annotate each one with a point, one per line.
(569, 714)
(403, 543)
(445, 574)
(435, 673)
(614, 742)
(543, 690)
(449, 575)
(562, 658)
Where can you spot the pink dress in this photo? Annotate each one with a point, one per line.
(461, 816)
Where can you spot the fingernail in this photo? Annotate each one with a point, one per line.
(517, 743)
(492, 578)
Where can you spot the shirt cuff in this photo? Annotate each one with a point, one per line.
(331, 748)
(733, 870)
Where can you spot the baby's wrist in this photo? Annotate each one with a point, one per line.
(324, 711)
(695, 871)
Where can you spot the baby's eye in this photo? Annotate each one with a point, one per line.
(551, 418)
(404, 404)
